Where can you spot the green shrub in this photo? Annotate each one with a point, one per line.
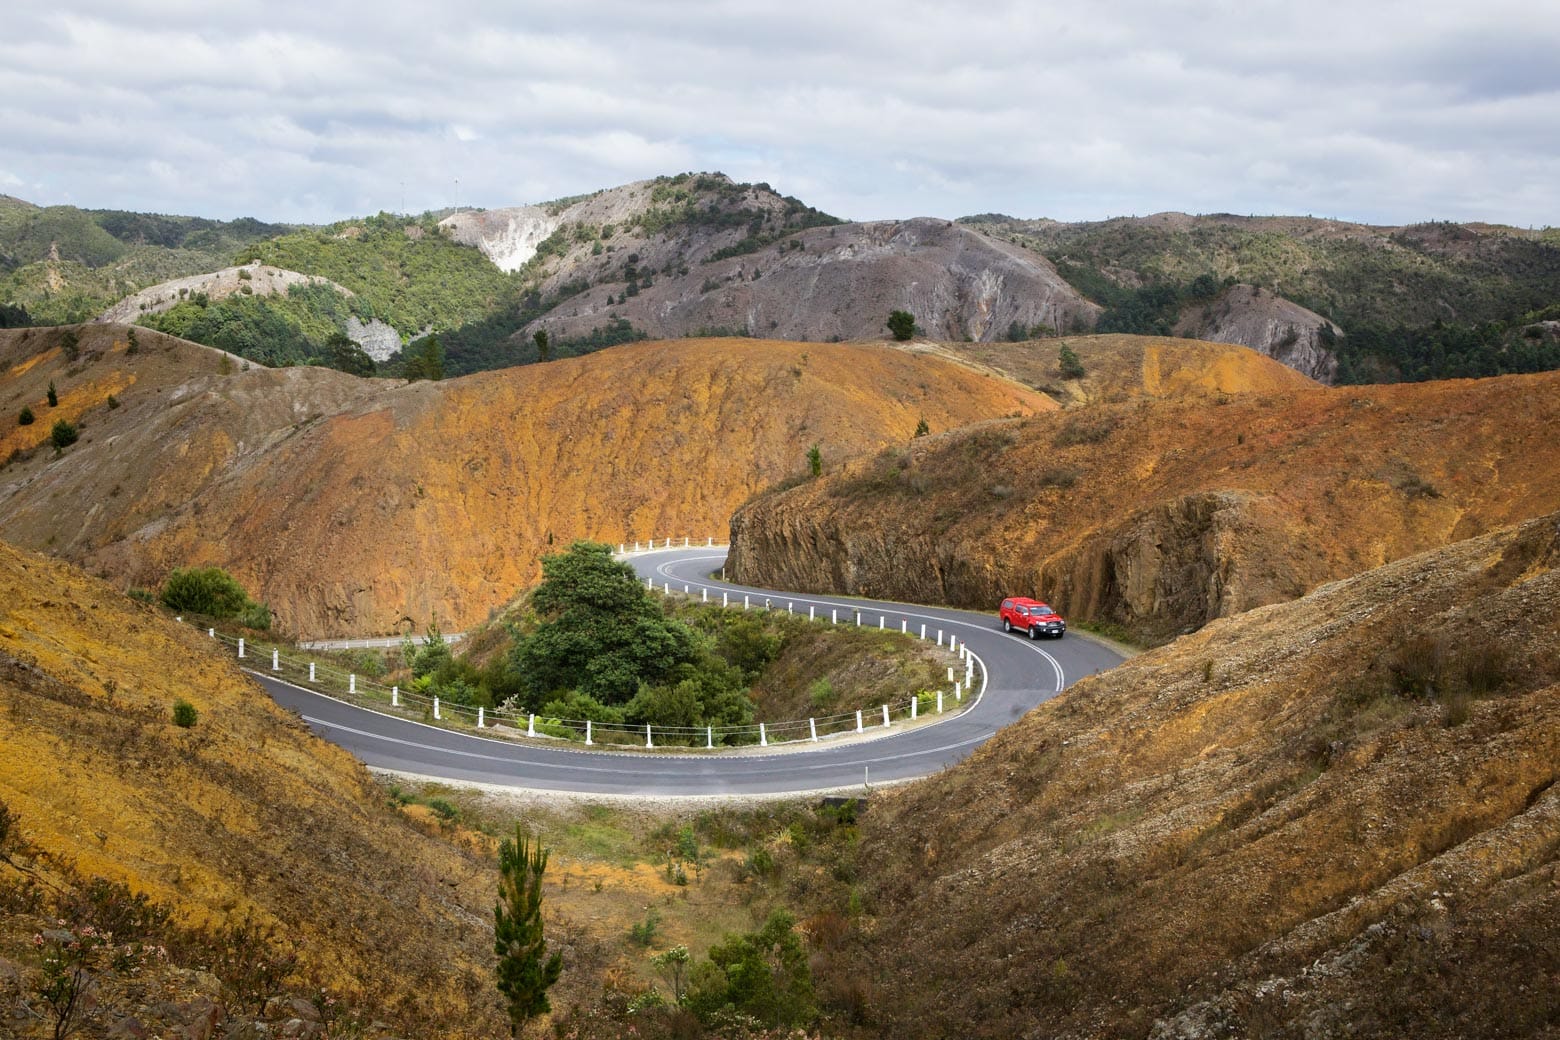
(642, 933)
(213, 592)
(64, 434)
(26, 418)
(1071, 367)
(184, 714)
(902, 325)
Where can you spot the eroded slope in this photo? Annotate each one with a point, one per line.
(245, 814)
(350, 504)
(1336, 816)
(1162, 514)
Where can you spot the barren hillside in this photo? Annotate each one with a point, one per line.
(1331, 817)
(1160, 515)
(841, 282)
(1269, 324)
(243, 815)
(1119, 368)
(350, 504)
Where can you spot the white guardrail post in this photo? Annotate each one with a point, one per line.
(276, 660)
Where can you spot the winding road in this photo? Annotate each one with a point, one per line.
(1018, 675)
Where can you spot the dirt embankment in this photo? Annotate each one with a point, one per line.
(245, 814)
(350, 504)
(1160, 515)
(1336, 816)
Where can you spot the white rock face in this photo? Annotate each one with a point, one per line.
(378, 340)
(508, 237)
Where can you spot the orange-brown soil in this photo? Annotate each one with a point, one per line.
(350, 504)
(1331, 817)
(1159, 514)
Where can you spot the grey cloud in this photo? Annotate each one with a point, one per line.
(868, 109)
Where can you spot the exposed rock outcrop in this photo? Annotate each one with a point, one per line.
(1162, 514)
(841, 283)
(1268, 324)
(257, 279)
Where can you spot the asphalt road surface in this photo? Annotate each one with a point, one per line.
(1017, 674)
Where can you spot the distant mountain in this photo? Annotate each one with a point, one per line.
(700, 254)
(1426, 301)
(63, 264)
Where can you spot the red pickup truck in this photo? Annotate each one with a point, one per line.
(1033, 617)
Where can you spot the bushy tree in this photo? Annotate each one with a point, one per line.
(342, 354)
(601, 632)
(213, 592)
(525, 971)
(26, 418)
(427, 363)
(64, 433)
(763, 974)
(902, 325)
(543, 347)
(1071, 366)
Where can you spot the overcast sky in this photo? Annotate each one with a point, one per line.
(869, 109)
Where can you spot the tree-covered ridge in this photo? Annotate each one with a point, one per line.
(301, 327)
(64, 264)
(405, 271)
(1428, 301)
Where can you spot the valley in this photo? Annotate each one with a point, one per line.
(1321, 802)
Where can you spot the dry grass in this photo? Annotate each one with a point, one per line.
(323, 495)
(1286, 837)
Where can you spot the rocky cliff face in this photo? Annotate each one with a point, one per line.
(1268, 324)
(350, 504)
(841, 282)
(1161, 515)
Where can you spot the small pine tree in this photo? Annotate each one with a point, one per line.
(26, 417)
(54, 398)
(184, 714)
(524, 970)
(64, 434)
(814, 460)
(543, 347)
(1071, 366)
(922, 428)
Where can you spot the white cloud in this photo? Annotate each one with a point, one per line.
(867, 109)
